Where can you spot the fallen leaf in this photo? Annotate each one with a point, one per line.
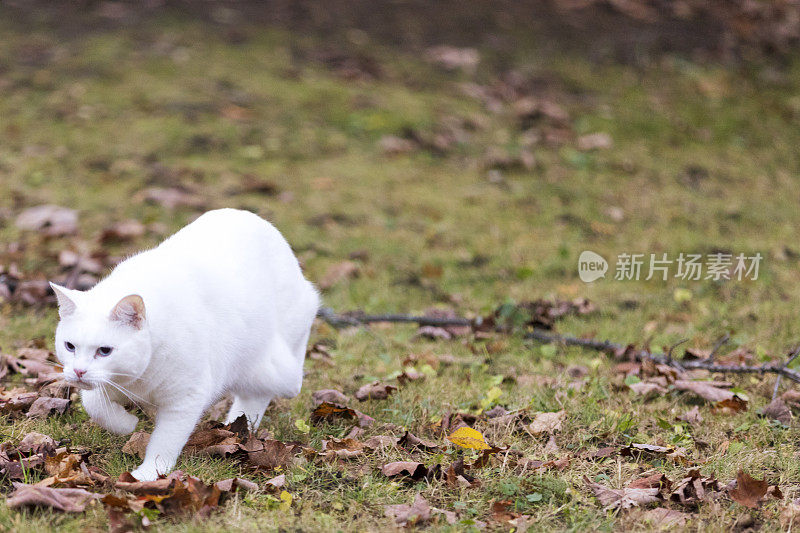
(346, 448)
(51, 220)
(171, 198)
(16, 399)
(126, 230)
(790, 515)
(453, 58)
(547, 422)
(704, 389)
(595, 141)
(622, 498)
(665, 518)
(394, 145)
(501, 511)
(694, 488)
(68, 469)
(409, 440)
(213, 440)
(339, 272)
(328, 395)
(692, 416)
(327, 411)
(231, 484)
(137, 444)
(379, 442)
(467, 437)
(748, 492)
(320, 352)
(411, 469)
(375, 391)
(604, 452)
(731, 405)
(778, 410)
(44, 407)
(67, 500)
(645, 388)
(34, 442)
(128, 483)
(270, 454)
(405, 515)
(656, 481)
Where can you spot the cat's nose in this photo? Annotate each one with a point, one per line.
(79, 372)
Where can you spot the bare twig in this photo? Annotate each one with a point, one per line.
(606, 346)
(358, 318)
(781, 369)
(719, 344)
(792, 356)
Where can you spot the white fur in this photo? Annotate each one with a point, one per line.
(226, 311)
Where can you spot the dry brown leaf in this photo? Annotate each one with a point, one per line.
(171, 198)
(748, 492)
(68, 469)
(704, 389)
(51, 220)
(645, 388)
(328, 395)
(411, 469)
(692, 416)
(790, 515)
(621, 498)
(43, 407)
(656, 481)
(665, 518)
(34, 442)
(547, 422)
(272, 454)
(375, 391)
(230, 485)
(126, 230)
(339, 272)
(694, 488)
(778, 410)
(595, 141)
(137, 444)
(327, 411)
(67, 500)
(405, 515)
(410, 441)
(346, 448)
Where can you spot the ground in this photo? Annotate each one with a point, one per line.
(702, 159)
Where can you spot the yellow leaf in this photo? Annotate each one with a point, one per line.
(286, 500)
(467, 437)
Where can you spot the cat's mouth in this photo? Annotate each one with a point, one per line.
(79, 383)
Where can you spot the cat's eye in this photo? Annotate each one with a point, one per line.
(69, 346)
(104, 351)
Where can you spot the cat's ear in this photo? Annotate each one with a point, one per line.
(66, 300)
(129, 311)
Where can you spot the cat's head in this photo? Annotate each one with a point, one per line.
(97, 342)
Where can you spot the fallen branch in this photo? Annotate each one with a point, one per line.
(358, 318)
(781, 369)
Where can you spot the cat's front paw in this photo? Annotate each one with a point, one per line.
(120, 423)
(145, 473)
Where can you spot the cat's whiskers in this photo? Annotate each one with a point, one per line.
(130, 395)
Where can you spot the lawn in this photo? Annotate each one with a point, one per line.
(403, 186)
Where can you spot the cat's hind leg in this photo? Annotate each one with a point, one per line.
(276, 374)
(252, 407)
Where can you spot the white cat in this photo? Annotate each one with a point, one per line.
(221, 307)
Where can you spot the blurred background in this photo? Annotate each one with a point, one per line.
(415, 154)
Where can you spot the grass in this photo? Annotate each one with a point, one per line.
(704, 159)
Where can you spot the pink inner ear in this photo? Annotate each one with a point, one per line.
(130, 311)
